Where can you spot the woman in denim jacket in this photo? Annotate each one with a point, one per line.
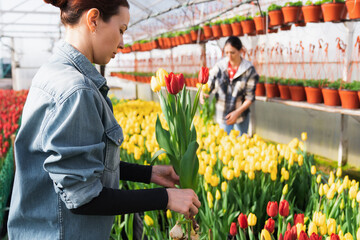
(67, 149)
(233, 80)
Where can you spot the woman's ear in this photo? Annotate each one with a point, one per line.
(92, 19)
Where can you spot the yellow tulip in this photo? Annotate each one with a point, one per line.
(273, 176)
(300, 160)
(206, 186)
(352, 192)
(342, 204)
(252, 219)
(313, 170)
(223, 186)
(331, 226)
(312, 228)
(323, 229)
(326, 188)
(217, 195)
(353, 204)
(338, 172)
(304, 136)
(331, 179)
(168, 214)
(214, 180)
(300, 227)
(265, 235)
(340, 189)
(358, 234)
(318, 179)
(346, 181)
(148, 220)
(230, 175)
(160, 74)
(285, 189)
(210, 197)
(301, 146)
(286, 175)
(251, 175)
(348, 236)
(358, 198)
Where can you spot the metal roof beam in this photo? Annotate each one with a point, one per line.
(28, 12)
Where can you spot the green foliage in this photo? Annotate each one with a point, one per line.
(296, 82)
(274, 7)
(314, 83)
(334, 85)
(309, 3)
(284, 81)
(262, 13)
(353, 86)
(217, 22)
(293, 4)
(262, 79)
(331, 1)
(233, 20)
(226, 21)
(207, 110)
(272, 80)
(248, 18)
(207, 24)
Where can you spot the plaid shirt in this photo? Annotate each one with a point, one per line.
(230, 95)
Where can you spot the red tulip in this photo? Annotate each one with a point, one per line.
(298, 218)
(272, 209)
(281, 237)
(334, 237)
(242, 219)
(203, 75)
(284, 208)
(314, 236)
(303, 236)
(233, 229)
(174, 83)
(270, 225)
(288, 235)
(288, 227)
(293, 232)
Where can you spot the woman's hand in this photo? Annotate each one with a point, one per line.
(164, 175)
(184, 201)
(202, 96)
(232, 117)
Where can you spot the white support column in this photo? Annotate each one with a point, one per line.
(343, 141)
(14, 66)
(350, 27)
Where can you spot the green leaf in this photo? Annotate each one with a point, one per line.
(163, 137)
(196, 102)
(188, 166)
(158, 153)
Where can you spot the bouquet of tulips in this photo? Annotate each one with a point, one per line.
(178, 141)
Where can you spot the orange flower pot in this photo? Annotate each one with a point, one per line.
(333, 12)
(194, 35)
(297, 93)
(260, 24)
(349, 99)
(284, 91)
(236, 29)
(226, 30)
(312, 13)
(187, 38)
(276, 18)
(272, 90)
(331, 97)
(217, 33)
(248, 27)
(260, 89)
(208, 32)
(353, 8)
(291, 14)
(313, 95)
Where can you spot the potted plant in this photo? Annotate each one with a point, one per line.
(215, 26)
(187, 36)
(275, 15)
(331, 93)
(349, 95)
(248, 26)
(226, 28)
(291, 12)
(236, 26)
(208, 30)
(297, 90)
(313, 91)
(260, 22)
(284, 88)
(272, 89)
(312, 11)
(260, 87)
(333, 10)
(194, 31)
(353, 8)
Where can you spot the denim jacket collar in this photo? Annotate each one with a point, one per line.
(80, 62)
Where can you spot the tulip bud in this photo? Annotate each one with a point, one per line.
(161, 74)
(272, 209)
(334, 237)
(304, 136)
(300, 160)
(154, 84)
(299, 218)
(217, 195)
(358, 198)
(265, 235)
(314, 236)
(284, 208)
(270, 225)
(313, 170)
(303, 236)
(174, 83)
(312, 228)
(342, 204)
(148, 220)
(252, 219)
(348, 236)
(331, 226)
(358, 234)
(338, 172)
(323, 229)
(285, 189)
(223, 186)
(203, 75)
(318, 179)
(168, 214)
(251, 175)
(242, 220)
(206, 186)
(352, 192)
(233, 229)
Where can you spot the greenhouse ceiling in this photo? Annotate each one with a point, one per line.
(35, 19)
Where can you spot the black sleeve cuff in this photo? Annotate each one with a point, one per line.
(115, 202)
(135, 172)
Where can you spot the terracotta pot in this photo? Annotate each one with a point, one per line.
(173, 42)
(248, 27)
(182, 40)
(349, 99)
(331, 97)
(284, 91)
(226, 30)
(285, 27)
(359, 95)
(208, 32)
(237, 29)
(260, 89)
(291, 14)
(353, 8)
(187, 38)
(312, 13)
(260, 24)
(297, 93)
(313, 95)
(276, 18)
(301, 22)
(272, 30)
(194, 35)
(217, 33)
(333, 12)
(272, 90)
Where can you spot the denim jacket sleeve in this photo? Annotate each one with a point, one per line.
(73, 135)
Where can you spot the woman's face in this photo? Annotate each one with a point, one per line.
(109, 36)
(232, 53)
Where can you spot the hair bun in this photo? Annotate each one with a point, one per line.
(57, 3)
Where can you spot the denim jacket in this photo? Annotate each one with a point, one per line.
(66, 151)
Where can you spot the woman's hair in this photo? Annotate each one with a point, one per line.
(234, 42)
(71, 10)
